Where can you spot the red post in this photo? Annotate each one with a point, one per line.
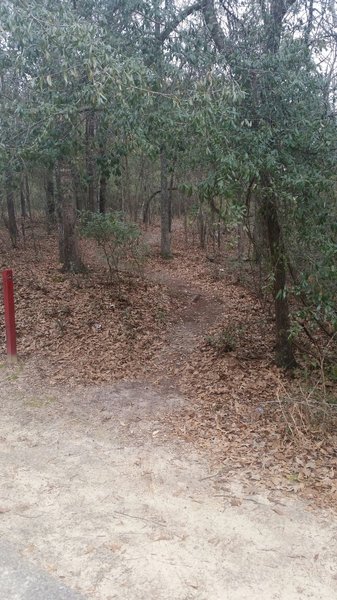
(8, 287)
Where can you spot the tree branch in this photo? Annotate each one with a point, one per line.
(189, 10)
(215, 29)
(146, 206)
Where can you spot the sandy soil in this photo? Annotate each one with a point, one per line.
(95, 491)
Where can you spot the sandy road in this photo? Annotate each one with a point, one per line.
(95, 493)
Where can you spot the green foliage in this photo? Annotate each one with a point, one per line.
(238, 124)
(56, 66)
(118, 239)
(275, 139)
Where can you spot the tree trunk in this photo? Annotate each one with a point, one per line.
(12, 226)
(68, 243)
(165, 217)
(89, 142)
(104, 175)
(76, 182)
(23, 209)
(23, 200)
(170, 200)
(184, 211)
(27, 193)
(127, 187)
(165, 208)
(241, 245)
(284, 351)
(50, 200)
(202, 228)
(258, 233)
(102, 193)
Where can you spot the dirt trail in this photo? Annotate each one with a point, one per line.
(198, 312)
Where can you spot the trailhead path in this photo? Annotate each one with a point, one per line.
(96, 494)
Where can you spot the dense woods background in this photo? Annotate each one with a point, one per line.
(219, 113)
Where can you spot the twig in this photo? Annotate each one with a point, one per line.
(123, 514)
(30, 516)
(210, 476)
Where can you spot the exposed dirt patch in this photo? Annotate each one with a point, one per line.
(195, 313)
(95, 491)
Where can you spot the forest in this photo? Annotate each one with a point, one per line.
(166, 160)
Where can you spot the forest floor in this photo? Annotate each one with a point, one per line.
(137, 460)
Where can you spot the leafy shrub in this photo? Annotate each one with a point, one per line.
(118, 239)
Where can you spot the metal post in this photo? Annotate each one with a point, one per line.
(8, 289)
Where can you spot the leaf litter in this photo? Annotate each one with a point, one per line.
(165, 328)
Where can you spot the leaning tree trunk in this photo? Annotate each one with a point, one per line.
(68, 243)
(165, 212)
(284, 351)
(12, 226)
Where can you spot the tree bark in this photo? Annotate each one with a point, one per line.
(165, 207)
(165, 241)
(104, 175)
(102, 193)
(23, 209)
(27, 193)
(284, 351)
(213, 26)
(127, 186)
(170, 201)
(77, 187)
(23, 200)
(68, 244)
(284, 348)
(50, 200)
(202, 228)
(12, 226)
(90, 132)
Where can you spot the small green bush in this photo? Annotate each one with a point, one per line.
(118, 239)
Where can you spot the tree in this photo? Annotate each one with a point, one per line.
(157, 22)
(233, 102)
(68, 242)
(61, 73)
(272, 68)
